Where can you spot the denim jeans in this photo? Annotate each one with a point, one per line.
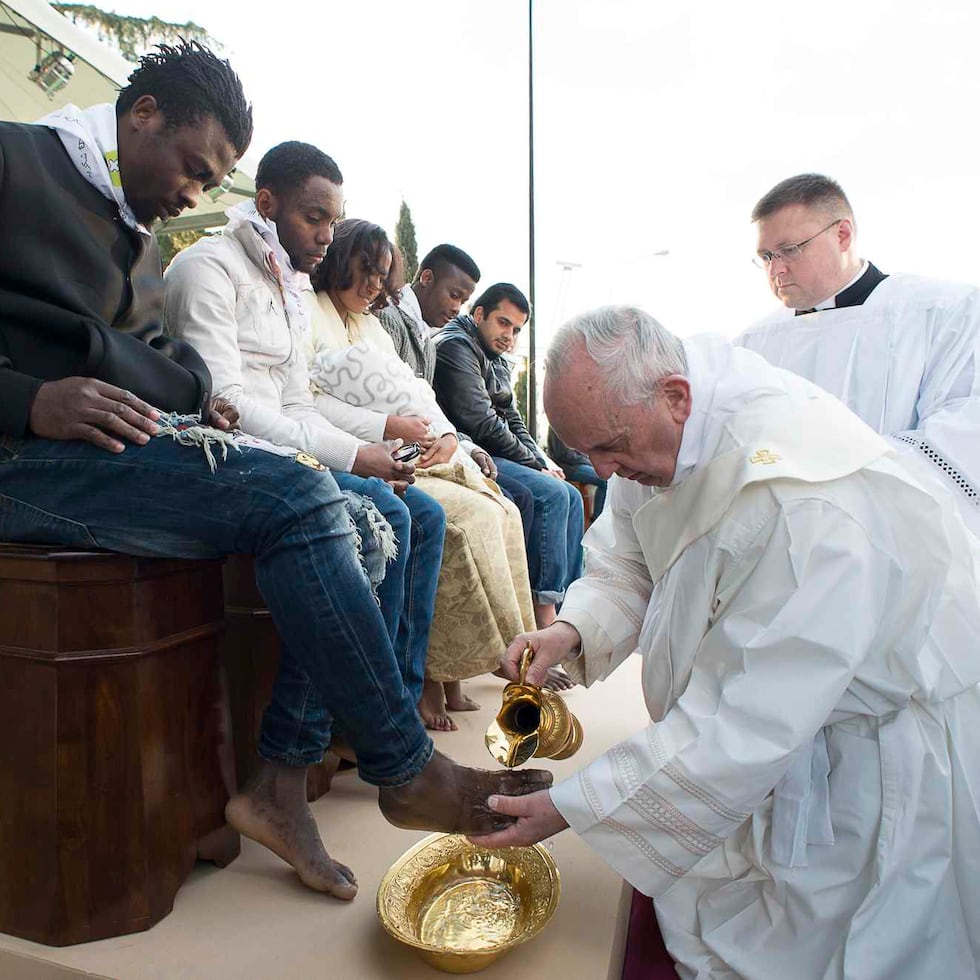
(407, 598)
(584, 473)
(554, 553)
(521, 496)
(161, 499)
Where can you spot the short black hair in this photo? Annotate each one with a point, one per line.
(810, 190)
(285, 167)
(501, 292)
(189, 82)
(442, 255)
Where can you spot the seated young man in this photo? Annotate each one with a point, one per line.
(237, 297)
(87, 385)
(445, 280)
(472, 383)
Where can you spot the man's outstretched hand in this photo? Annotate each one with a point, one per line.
(537, 818)
(93, 411)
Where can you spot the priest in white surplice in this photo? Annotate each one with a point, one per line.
(900, 351)
(804, 803)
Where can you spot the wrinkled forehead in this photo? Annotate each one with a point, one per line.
(788, 225)
(578, 404)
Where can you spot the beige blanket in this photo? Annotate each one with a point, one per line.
(484, 595)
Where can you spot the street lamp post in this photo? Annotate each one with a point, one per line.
(563, 283)
(532, 374)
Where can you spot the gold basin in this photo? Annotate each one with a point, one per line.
(462, 906)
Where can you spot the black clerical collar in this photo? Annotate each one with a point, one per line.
(857, 292)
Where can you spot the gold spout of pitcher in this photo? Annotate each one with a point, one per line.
(532, 721)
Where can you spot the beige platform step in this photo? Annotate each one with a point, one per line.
(254, 920)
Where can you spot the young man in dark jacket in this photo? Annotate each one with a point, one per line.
(87, 388)
(472, 383)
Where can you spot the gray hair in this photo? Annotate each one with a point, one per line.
(633, 351)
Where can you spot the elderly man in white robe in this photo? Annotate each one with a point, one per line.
(804, 802)
(901, 351)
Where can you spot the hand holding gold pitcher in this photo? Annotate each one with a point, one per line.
(532, 721)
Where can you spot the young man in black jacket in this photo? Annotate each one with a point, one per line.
(90, 393)
(472, 383)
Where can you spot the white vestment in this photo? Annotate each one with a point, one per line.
(906, 362)
(795, 587)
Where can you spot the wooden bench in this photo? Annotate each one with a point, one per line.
(587, 490)
(115, 746)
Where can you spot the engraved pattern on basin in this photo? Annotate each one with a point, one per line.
(453, 900)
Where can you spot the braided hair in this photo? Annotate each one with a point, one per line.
(189, 82)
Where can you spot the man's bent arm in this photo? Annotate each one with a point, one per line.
(515, 421)
(607, 606)
(200, 304)
(45, 342)
(17, 392)
(462, 392)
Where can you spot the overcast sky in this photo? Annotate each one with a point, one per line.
(657, 127)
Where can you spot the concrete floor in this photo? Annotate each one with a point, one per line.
(255, 920)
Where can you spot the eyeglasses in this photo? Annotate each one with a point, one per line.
(789, 253)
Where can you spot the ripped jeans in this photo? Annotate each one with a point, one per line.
(301, 727)
(161, 499)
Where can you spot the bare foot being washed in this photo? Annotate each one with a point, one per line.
(558, 680)
(272, 810)
(432, 708)
(453, 798)
(456, 700)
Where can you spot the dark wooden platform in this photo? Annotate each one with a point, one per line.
(115, 746)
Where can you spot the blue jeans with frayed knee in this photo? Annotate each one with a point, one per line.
(161, 499)
(407, 598)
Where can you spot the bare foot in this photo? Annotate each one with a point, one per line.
(456, 700)
(272, 810)
(558, 680)
(432, 708)
(453, 798)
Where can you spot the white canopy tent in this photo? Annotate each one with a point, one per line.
(32, 29)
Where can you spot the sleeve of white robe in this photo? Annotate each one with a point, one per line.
(948, 406)
(608, 603)
(802, 610)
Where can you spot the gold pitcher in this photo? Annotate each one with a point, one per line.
(532, 721)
